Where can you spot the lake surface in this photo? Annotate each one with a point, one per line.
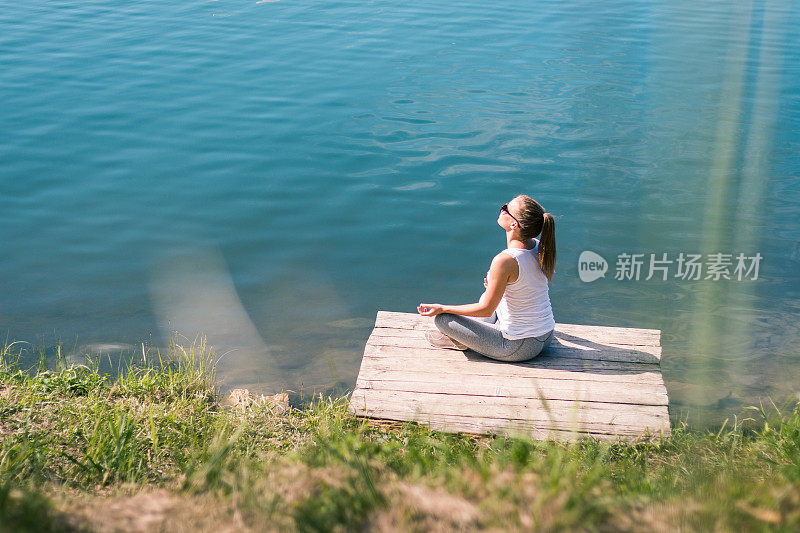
(272, 173)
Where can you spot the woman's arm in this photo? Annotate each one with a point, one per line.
(500, 272)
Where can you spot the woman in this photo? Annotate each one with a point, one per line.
(513, 320)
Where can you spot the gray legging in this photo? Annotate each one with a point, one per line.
(482, 335)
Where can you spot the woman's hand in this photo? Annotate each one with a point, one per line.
(502, 269)
(430, 309)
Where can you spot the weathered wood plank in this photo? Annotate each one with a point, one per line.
(439, 357)
(629, 352)
(607, 340)
(498, 425)
(464, 423)
(521, 428)
(419, 332)
(598, 334)
(558, 348)
(552, 413)
(500, 371)
(467, 402)
(477, 385)
(616, 334)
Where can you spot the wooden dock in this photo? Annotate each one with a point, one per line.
(603, 382)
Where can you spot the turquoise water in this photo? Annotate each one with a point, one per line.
(273, 173)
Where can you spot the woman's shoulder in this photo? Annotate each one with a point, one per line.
(505, 255)
(514, 252)
(509, 255)
(504, 260)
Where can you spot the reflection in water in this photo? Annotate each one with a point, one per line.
(709, 326)
(724, 312)
(194, 295)
(754, 177)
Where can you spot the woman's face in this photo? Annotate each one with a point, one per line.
(505, 219)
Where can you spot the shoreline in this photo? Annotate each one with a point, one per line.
(156, 448)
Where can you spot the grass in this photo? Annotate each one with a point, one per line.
(151, 447)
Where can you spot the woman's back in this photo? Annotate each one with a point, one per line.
(525, 310)
(512, 321)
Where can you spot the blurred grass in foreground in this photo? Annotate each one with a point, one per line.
(152, 448)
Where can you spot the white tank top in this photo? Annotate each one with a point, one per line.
(525, 308)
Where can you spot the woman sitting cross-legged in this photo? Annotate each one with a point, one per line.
(513, 320)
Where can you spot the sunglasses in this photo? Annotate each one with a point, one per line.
(504, 207)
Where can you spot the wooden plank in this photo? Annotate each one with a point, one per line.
(440, 357)
(606, 334)
(518, 428)
(562, 389)
(598, 334)
(557, 348)
(500, 424)
(521, 428)
(465, 402)
(494, 370)
(654, 352)
(552, 413)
